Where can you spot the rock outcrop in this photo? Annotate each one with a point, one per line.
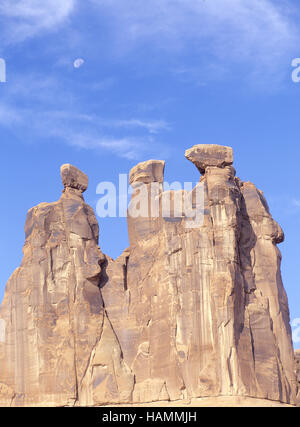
(195, 307)
(60, 348)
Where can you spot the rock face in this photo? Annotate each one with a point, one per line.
(195, 307)
(60, 348)
(204, 155)
(74, 178)
(146, 172)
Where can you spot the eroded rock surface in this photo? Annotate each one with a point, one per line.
(204, 155)
(205, 310)
(193, 308)
(60, 348)
(74, 178)
(146, 172)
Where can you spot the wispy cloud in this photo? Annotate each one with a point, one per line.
(260, 33)
(152, 126)
(259, 24)
(130, 148)
(26, 18)
(80, 131)
(53, 112)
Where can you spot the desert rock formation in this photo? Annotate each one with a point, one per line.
(195, 307)
(60, 348)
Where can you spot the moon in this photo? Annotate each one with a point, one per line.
(78, 62)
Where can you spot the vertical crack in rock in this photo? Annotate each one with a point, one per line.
(125, 266)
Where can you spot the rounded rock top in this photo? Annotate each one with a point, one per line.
(146, 172)
(204, 155)
(73, 177)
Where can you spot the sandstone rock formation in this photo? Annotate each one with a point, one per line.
(204, 155)
(195, 307)
(60, 348)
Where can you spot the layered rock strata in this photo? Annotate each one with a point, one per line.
(195, 307)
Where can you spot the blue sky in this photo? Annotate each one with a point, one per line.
(157, 77)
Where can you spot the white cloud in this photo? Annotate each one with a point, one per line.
(261, 33)
(79, 130)
(213, 35)
(92, 138)
(252, 20)
(62, 119)
(26, 18)
(152, 126)
(128, 148)
(239, 29)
